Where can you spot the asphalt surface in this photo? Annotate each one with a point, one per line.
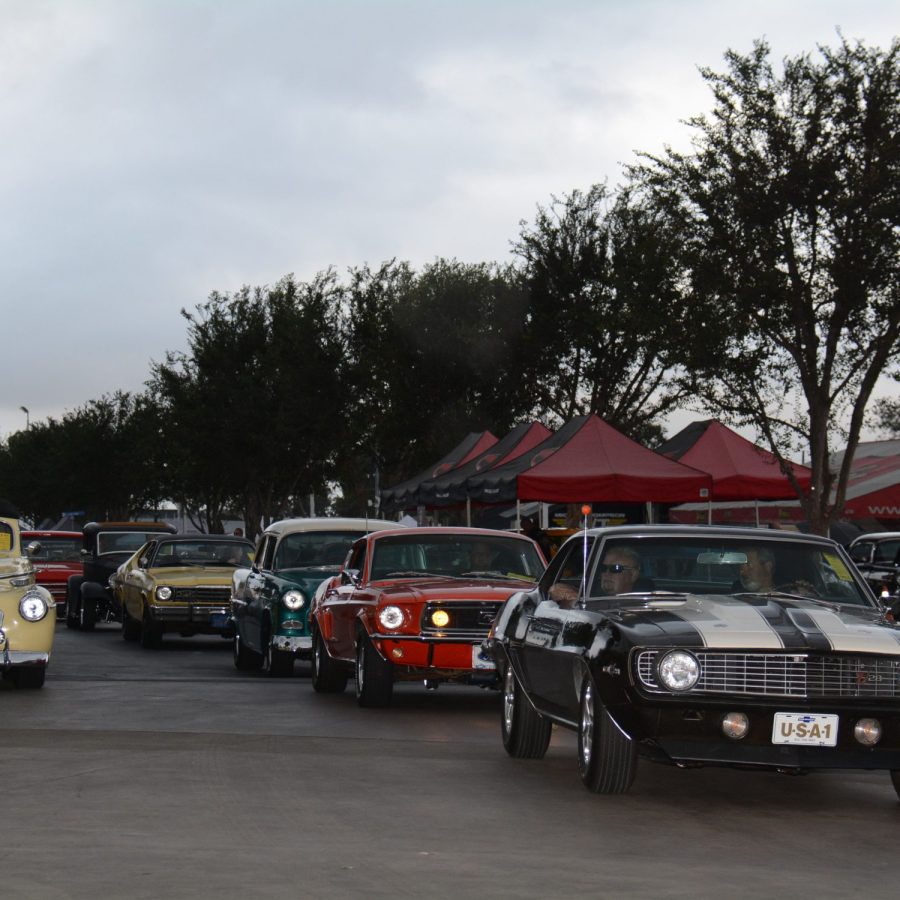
(168, 774)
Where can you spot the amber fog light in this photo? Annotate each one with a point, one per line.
(735, 725)
(867, 732)
(440, 618)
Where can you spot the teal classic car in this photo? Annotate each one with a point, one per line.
(270, 600)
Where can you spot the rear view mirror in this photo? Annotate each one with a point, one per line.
(722, 558)
(350, 576)
(33, 549)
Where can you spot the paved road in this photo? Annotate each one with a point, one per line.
(168, 774)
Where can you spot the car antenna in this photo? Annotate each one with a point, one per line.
(585, 512)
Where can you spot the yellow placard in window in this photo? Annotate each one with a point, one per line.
(837, 564)
(5, 540)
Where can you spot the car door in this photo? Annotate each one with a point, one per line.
(556, 632)
(341, 606)
(249, 614)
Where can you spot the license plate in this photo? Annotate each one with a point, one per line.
(815, 729)
(218, 620)
(480, 659)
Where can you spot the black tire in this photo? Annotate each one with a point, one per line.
(276, 663)
(374, 675)
(607, 759)
(895, 780)
(87, 614)
(131, 628)
(29, 678)
(73, 596)
(151, 633)
(328, 676)
(525, 732)
(245, 659)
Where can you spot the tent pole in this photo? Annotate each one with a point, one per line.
(709, 511)
(469, 511)
(756, 510)
(518, 515)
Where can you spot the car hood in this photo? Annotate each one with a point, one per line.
(192, 575)
(757, 622)
(427, 590)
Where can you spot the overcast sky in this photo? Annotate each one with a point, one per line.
(155, 151)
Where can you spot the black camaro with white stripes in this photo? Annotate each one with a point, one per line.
(701, 646)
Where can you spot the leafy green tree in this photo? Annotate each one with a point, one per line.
(886, 415)
(789, 202)
(431, 357)
(99, 459)
(252, 409)
(603, 332)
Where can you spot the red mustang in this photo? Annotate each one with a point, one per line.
(414, 605)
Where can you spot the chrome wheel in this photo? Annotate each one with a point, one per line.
(509, 699)
(587, 726)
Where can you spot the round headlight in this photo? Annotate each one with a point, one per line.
(867, 732)
(679, 670)
(33, 607)
(294, 599)
(164, 593)
(440, 618)
(391, 617)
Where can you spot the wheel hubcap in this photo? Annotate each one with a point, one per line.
(587, 726)
(509, 699)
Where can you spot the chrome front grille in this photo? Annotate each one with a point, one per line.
(783, 675)
(467, 618)
(212, 594)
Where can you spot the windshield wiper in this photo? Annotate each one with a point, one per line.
(408, 574)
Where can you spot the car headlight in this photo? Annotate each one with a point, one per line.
(164, 593)
(33, 607)
(391, 617)
(679, 670)
(294, 600)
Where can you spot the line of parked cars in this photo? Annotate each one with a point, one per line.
(686, 645)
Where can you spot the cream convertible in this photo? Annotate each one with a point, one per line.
(26, 623)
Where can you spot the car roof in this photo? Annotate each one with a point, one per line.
(161, 527)
(329, 523)
(760, 534)
(51, 534)
(458, 531)
(195, 538)
(877, 536)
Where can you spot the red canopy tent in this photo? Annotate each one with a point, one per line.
(873, 489)
(599, 464)
(740, 470)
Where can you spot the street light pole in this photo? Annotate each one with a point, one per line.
(27, 420)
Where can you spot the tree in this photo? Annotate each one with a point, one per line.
(887, 416)
(431, 356)
(789, 201)
(604, 317)
(252, 411)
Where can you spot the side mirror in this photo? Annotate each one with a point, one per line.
(350, 576)
(33, 549)
(143, 562)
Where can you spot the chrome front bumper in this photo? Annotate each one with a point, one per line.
(22, 658)
(187, 612)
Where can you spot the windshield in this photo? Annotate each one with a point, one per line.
(202, 552)
(123, 541)
(57, 549)
(314, 549)
(722, 565)
(456, 555)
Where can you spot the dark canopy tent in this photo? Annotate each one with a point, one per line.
(498, 485)
(739, 468)
(450, 489)
(597, 463)
(472, 445)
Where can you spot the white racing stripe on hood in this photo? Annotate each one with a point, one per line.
(856, 637)
(724, 623)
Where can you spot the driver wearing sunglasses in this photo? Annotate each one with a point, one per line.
(619, 571)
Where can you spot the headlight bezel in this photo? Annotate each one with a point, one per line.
(391, 617)
(673, 662)
(293, 599)
(29, 597)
